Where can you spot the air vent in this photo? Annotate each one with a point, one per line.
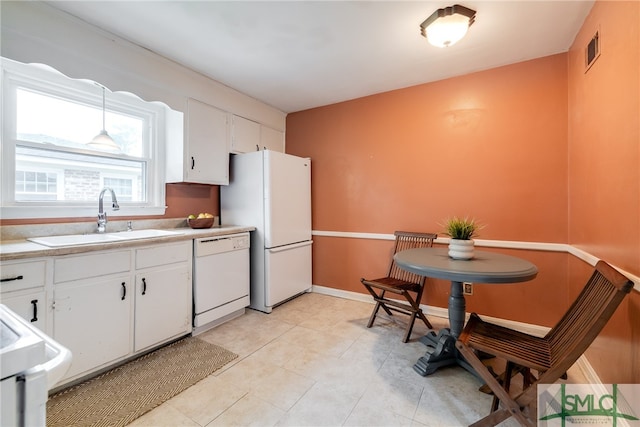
(592, 51)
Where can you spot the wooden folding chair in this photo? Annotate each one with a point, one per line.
(551, 355)
(401, 283)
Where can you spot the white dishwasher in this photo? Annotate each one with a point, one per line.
(221, 279)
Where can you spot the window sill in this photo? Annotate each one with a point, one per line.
(24, 212)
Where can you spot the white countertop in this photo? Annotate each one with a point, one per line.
(23, 249)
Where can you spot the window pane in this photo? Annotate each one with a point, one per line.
(47, 119)
(36, 186)
(82, 176)
(122, 187)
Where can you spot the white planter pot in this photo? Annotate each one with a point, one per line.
(461, 249)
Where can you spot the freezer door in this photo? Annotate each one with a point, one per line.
(287, 195)
(287, 272)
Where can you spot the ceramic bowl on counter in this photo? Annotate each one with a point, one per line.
(200, 222)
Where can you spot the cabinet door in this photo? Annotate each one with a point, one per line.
(92, 318)
(208, 144)
(245, 135)
(163, 305)
(30, 306)
(271, 139)
(23, 290)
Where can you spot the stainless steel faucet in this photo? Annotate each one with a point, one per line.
(102, 215)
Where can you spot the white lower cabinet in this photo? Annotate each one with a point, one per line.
(24, 290)
(30, 305)
(92, 308)
(130, 301)
(92, 318)
(163, 304)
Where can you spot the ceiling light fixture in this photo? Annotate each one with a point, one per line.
(447, 26)
(103, 141)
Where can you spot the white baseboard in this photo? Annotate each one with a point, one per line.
(582, 363)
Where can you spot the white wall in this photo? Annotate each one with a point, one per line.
(34, 32)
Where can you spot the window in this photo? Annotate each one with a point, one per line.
(49, 167)
(36, 185)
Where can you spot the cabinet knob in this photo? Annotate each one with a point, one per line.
(144, 286)
(193, 163)
(124, 290)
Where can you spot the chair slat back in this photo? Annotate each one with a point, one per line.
(409, 240)
(588, 314)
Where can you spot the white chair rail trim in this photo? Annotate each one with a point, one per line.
(505, 244)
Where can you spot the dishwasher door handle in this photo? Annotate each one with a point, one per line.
(213, 240)
(293, 246)
(209, 247)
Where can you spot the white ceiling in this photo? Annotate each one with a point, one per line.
(296, 55)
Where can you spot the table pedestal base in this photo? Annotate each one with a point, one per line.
(441, 351)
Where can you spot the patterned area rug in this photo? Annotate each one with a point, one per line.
(123, 394)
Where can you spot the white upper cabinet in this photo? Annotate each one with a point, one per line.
(204, 156)
(245, 135)
(271, 139)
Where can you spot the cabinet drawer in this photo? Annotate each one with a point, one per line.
(22, 275)
(162, 255)
(92, 265)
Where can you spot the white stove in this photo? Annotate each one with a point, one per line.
(30, 364)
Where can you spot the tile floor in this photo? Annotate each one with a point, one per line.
(313, 362)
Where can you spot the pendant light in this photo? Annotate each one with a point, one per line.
(103, 141)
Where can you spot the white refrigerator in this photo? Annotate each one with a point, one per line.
(272, 192)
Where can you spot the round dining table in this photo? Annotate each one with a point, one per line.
(484, 267)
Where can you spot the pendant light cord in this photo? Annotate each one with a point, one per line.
(104, 127)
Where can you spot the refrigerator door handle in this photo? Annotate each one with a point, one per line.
(288, 247)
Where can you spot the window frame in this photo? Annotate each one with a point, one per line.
(48, 81)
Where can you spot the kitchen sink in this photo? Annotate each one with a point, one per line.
(75, 239)
(90, 239)
(145, 234)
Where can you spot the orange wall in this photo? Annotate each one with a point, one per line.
(491, 145)
(604, 172)
(604, 137)
(186, 199)
(537, 151)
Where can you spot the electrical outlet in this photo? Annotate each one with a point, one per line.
(467, 288)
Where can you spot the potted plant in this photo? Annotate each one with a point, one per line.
(461, 231)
